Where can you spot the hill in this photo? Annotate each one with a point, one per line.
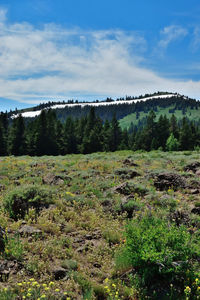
(130, 108)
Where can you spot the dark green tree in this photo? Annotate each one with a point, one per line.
(17, 144)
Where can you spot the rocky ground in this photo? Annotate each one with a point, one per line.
(62, 218)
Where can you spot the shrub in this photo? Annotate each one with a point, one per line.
(13, 248)
(157, 251)
(19, 200)
(172, 143)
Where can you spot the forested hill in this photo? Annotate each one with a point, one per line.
(121, 107)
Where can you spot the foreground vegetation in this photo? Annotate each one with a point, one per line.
(121, 225)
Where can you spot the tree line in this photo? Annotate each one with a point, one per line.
(46, 135)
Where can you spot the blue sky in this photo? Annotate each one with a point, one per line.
(58, 50)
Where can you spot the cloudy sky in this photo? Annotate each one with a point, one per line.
(91, 49)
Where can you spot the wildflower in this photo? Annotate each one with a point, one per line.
(114, 285)
(106, 280)
(28, 295)
(57, 290)
(19, 284)
(43, 296)
(187, 290)
(34, 283)
(196, 280)
(44, 285)
(24, 297)
(29, 290)
(5, 289)
(51, 283)
(32, 279)
(46, 288)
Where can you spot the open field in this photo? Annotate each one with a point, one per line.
(65, 219)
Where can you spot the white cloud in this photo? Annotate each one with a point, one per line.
(56, 63)
(171, 34)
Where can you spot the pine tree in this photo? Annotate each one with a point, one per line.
(70, 142)
(186, 137)
(173, 127)
(115, 134)
(162, 132)
(17, 145)
(41, 138)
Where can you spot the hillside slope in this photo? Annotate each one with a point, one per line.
(121, 108)
(65, 220)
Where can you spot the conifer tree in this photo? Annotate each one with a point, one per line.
(70, 142)
(17, 145)
(41, 138)
(115, 134)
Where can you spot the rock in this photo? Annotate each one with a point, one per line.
(83, 248)
(192, 166)
(59, 273)
(96, 265)
(130, 163)
(123, 189)
(198, 172)
(106, 203)
(9, 267)
(165, 181)
(27, 230)
(2, 239)
(196, 211)
(194, 191)
(52, 179)
(180, 217)
(126, 173)
(127, 189)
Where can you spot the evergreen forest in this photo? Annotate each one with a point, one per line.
(47, 135)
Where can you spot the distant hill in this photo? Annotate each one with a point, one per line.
(129, 110)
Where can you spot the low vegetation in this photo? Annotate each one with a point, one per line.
(117, 225)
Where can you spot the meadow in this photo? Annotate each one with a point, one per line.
(118, 225)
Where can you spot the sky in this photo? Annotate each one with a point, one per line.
(87, 50)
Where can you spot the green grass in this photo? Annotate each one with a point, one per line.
(192, 114)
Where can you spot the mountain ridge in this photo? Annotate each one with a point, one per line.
(35, 111)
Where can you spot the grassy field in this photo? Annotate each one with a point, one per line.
(191, 114)
(66, 234)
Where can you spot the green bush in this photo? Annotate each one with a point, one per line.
(157, 250)
(13, 248)
(18, 201)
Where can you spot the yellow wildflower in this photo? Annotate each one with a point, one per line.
(19, 284)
